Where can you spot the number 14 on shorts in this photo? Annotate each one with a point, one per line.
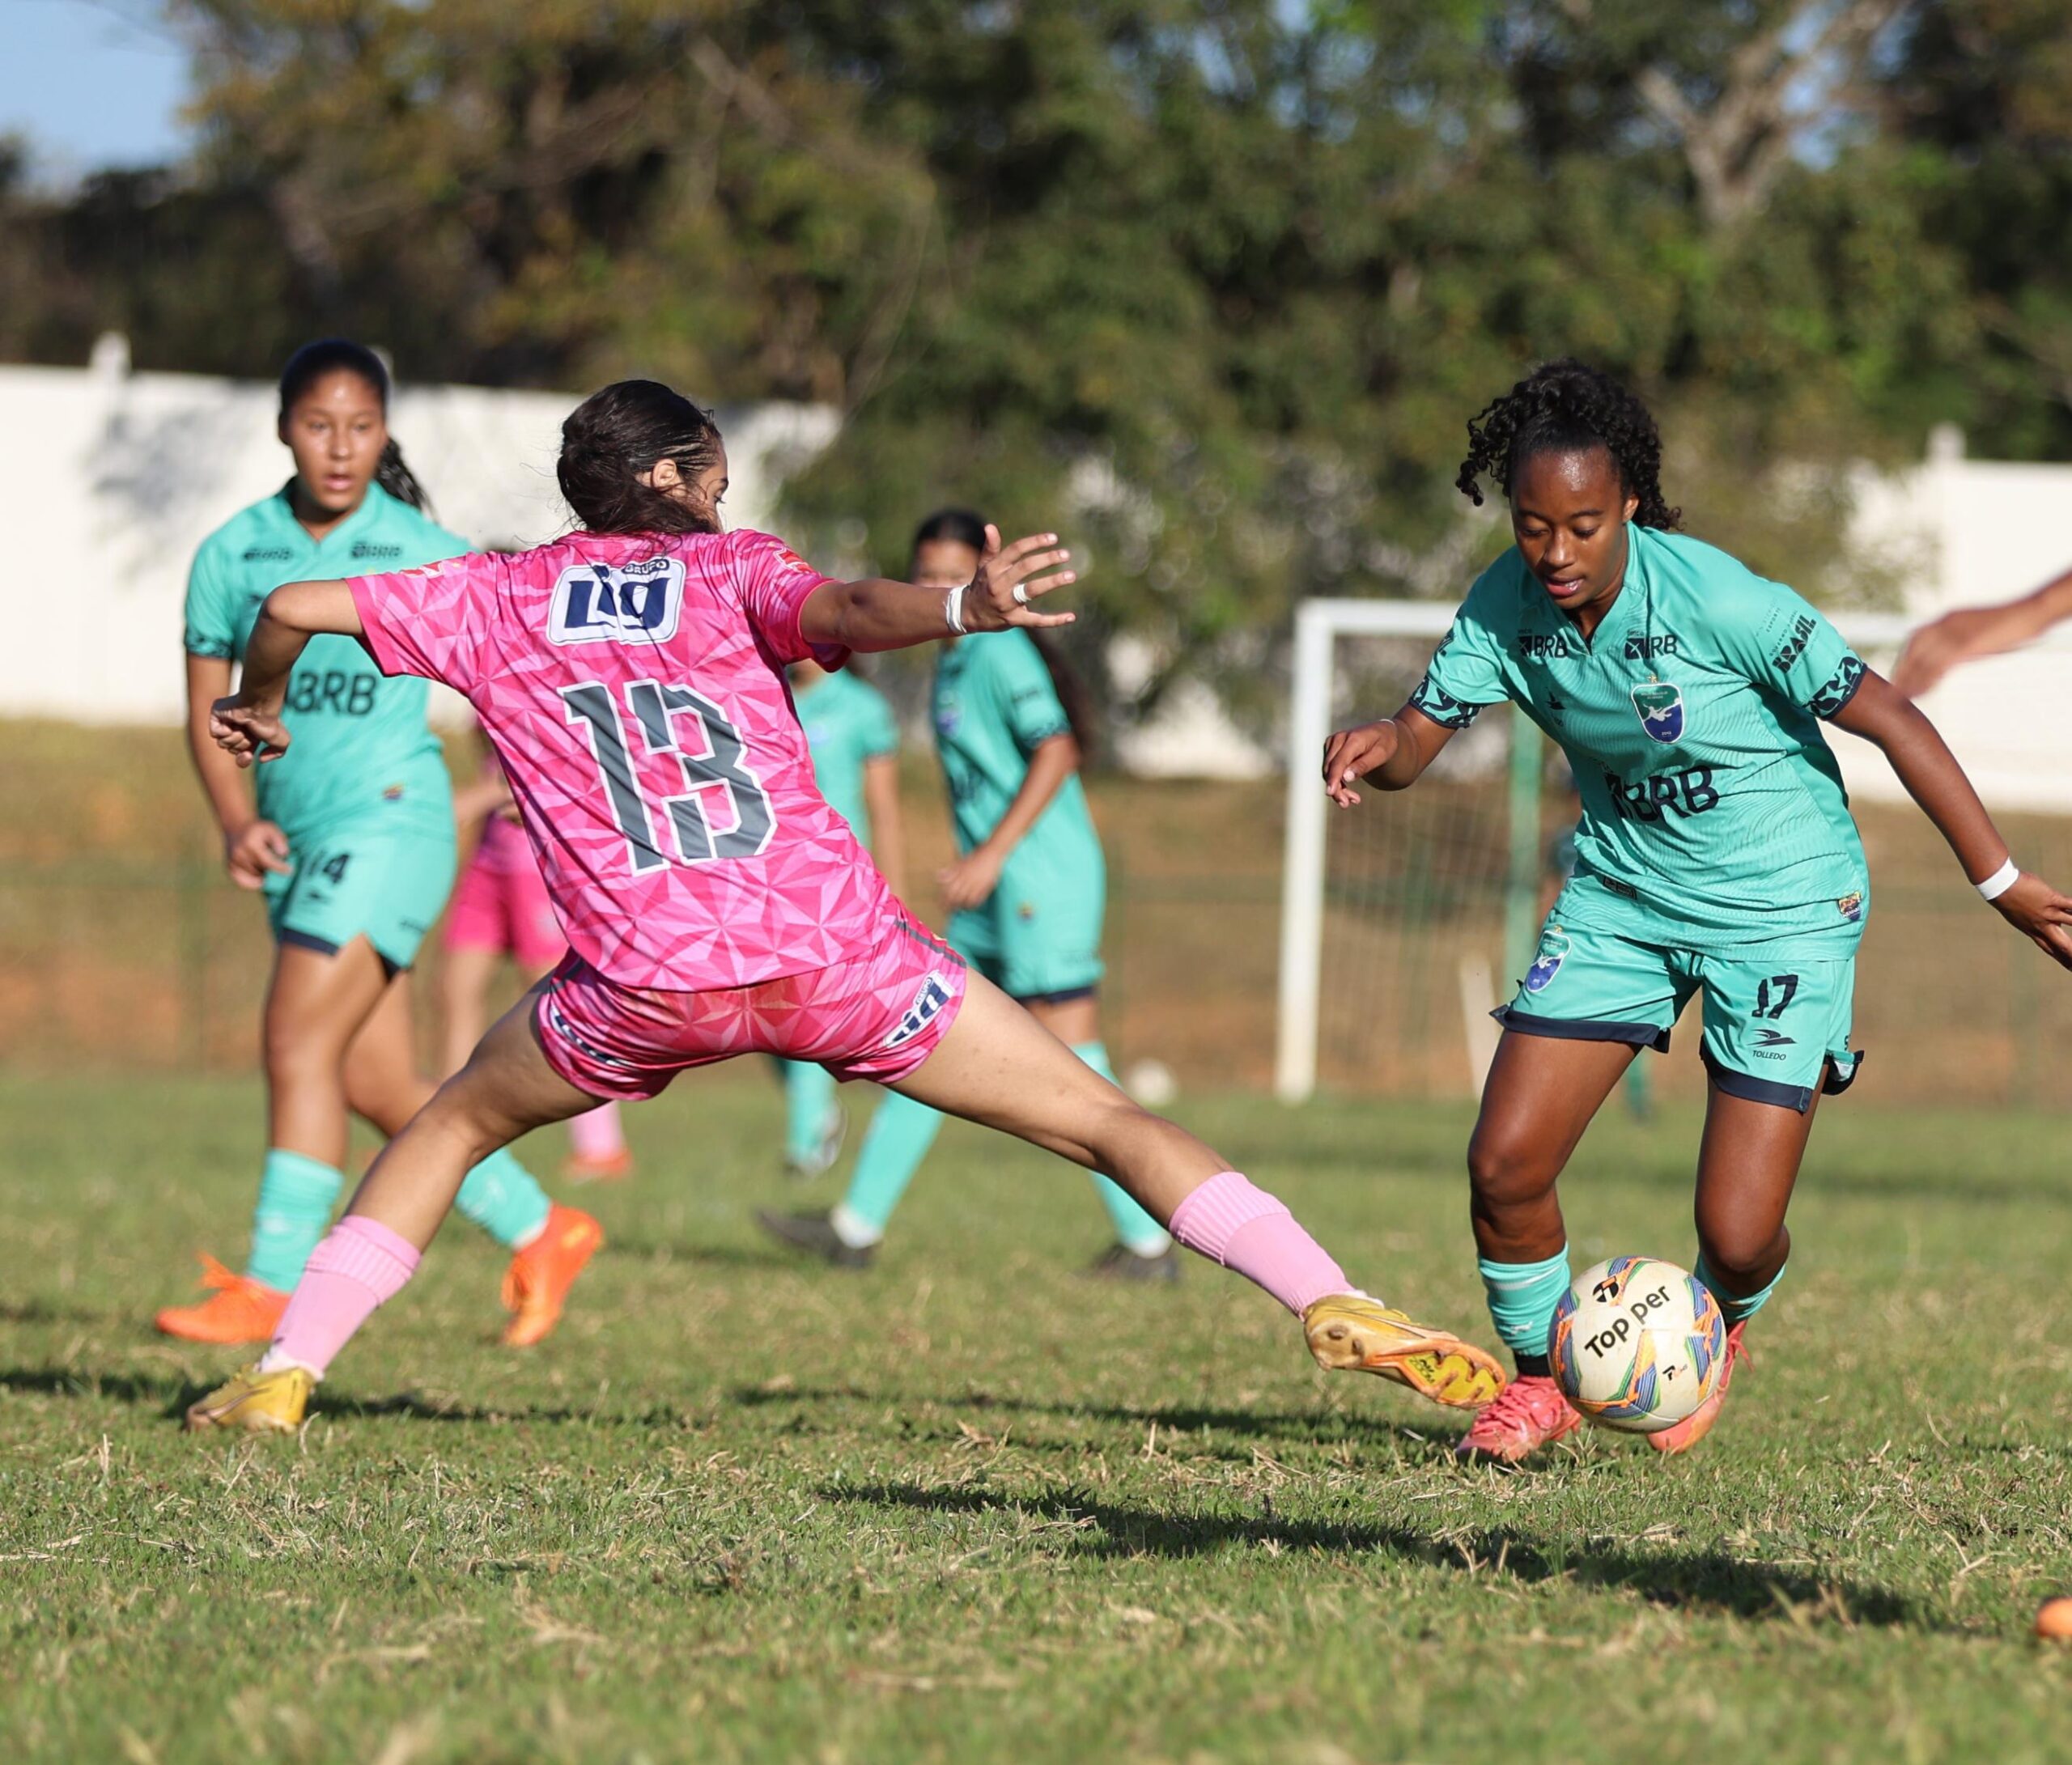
(680, 723)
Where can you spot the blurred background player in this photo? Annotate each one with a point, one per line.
(1027, 895)
(500, 908)
(715, 905)
(854, 740)
(352, 843)
(1715, 854)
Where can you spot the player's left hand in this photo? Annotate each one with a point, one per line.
(971, 881)
(2041, 914)
(1010, 577)
(246, 732)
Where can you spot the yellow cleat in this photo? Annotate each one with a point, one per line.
(1350, 1333)
(258, 1402)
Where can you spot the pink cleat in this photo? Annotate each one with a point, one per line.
(1694, 1428)
(1531, 1413)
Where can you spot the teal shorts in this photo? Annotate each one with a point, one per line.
(1777, 1015)
(1036, 941)
(383, 881)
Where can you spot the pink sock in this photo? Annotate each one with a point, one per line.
(1245, 1228)
(360, 1264)
(596, 1133)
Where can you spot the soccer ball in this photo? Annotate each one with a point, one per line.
(1637, 1344)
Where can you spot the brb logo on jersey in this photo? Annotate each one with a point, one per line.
(1553, 952)
(618, 602)
(1659, 706)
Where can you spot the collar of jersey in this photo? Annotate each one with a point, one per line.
(370, 512)
(1622, 614)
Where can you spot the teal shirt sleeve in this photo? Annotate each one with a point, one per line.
(1786, 646)
(1028, 698)
(1466, 670)
(211, 614)
(878, 734)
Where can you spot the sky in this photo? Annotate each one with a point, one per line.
(90, 83)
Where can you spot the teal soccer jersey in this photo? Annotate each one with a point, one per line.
(1713, 814)
(848, 723)
(361, 744)
(1040, 932)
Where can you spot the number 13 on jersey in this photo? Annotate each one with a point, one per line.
(713, 762)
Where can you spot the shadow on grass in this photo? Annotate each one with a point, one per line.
(1706, 1581)
(1307, 1427)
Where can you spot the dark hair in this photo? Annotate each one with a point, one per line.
(965, 527)
(1569, 407)
(961, 527)
(331, 355)
(620, 432)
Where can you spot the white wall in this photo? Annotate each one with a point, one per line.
(110, 480)
(1962, 531)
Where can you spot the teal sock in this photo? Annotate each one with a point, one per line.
(1134, 1229)
(1736, 1311)
(900, 1135)
(808, 1097)
(1524, 1297)
(296, 1195)
(505, 1199)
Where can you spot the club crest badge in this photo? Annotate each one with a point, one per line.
(1659, 705)
(1850, 905)
(1553, 952)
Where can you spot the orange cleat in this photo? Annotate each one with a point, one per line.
(611, 1168)
(1695, 1426)
(239, 1309)
(536, 1285)
(1531, 1413)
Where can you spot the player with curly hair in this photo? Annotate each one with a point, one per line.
(1716, 857)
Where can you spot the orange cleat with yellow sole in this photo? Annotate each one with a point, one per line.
(239, 1309)
(1695, 1426)
(1351, 1333)
(536, 1285)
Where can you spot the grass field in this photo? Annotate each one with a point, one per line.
(967, 1506)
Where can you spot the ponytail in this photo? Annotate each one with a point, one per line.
(330, 355)
(394, 476)
(1072, 695)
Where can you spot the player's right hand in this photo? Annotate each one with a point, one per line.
(1935, 648)
(992, 603)
(1352, 754)
(2041, 914)
(253, 850)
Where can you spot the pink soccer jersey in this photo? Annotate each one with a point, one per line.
(634, 688)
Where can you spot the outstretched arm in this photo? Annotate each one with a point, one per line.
(876, 614)
(1882, 716)
(1971, 632)
(247, 723)
(1391, 755)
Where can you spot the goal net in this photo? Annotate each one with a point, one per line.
(1404, 923)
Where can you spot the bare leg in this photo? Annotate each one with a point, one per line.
(1541, 1094)
(999, 1067)
(383, 1084)
(1747, 1164)
(506, 1089)
(463, 1002)
(315, 1007)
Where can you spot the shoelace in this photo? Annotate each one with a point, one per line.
(1521, 1402)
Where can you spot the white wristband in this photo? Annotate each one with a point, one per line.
(953, 609)
(2001, 881)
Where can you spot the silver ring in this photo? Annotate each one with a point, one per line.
(1021, 594)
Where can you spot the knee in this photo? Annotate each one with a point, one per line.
(1743, 1254)
(1505, 1170)
(295, 1058)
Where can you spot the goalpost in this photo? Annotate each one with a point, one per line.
(1429, 904)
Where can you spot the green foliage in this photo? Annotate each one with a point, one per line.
(1216, 282)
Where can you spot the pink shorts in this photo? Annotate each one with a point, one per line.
(502, 905)
(877, 1016)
